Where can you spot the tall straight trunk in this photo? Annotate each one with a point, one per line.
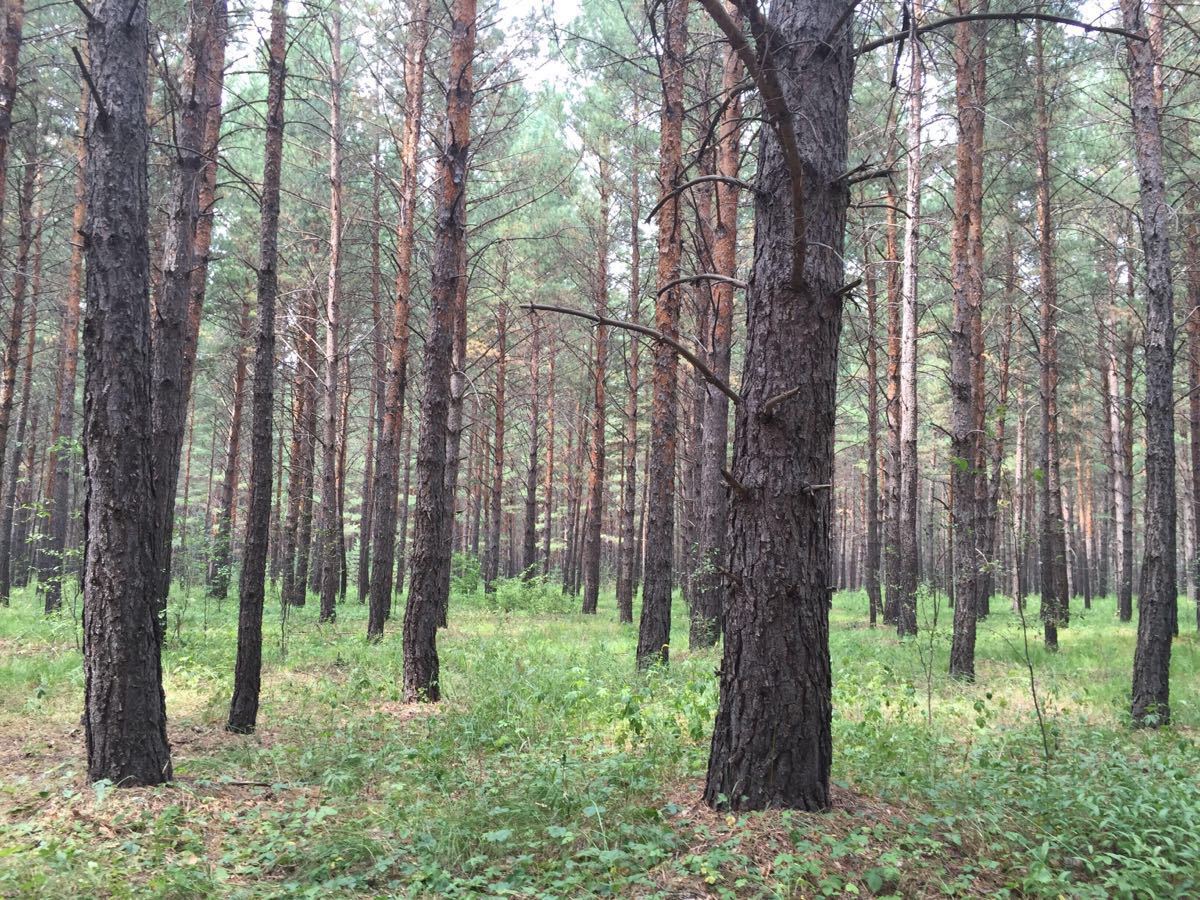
(428, 594)
(529, 538)
(367, 495)
(13, 23)
(991, 510)
(772, 740)
(548, 485)
(654, 633)
(328, 536)
(24, 436)
(491, 565)
(908, 558)
(173, 346)
(710, 583)
(966, 433)
(125, 716)
(52, 569)
(627, 561)
(383, 536)
(1052, 539)
(891, 529)
(1020, 509)
(596, 474)
(12, 351)
(243, 708)
(1157, 601)
(872, 498)
(275, 539)
(221, 565)
(300, 458)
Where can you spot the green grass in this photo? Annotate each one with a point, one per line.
(551, 770)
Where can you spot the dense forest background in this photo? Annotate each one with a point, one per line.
(337, 332)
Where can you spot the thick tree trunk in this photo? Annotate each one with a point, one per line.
(654, 634)
(431, 538)
(710, 581)
(1193, 332)
(772, 741)
(455, 422)
(1158, 594)
(243, 708)
(174, 347)
(125, 718)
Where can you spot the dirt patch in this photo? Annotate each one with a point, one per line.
(837, 841)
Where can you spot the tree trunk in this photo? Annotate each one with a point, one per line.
(908, 558)
(12, 351)
(491, 564)
(872, 498)
(654, 633)
(772, 740)
(431, 538)
(1158, 594)
(13, 24)
(383, 535)
(125, 718)
(592, 536)
(221, 566)
(710, 584)
(53, 568)
(174, 347)
(1052, 538)
(627, 561)
(328, 536)
(529, 538)
(243, 708)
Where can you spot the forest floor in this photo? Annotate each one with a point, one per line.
(550, 770)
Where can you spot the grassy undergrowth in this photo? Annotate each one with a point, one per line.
(552, 771)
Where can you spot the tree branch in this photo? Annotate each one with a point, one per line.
(702, 276)
(683, 351)
(993, 17)
(736, 182)
(101, 110)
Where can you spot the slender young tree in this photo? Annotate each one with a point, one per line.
(627, 561)
(592, 537)
(243, 708)
(491, 566)
(125, 716)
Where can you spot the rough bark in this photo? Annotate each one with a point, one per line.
(491, 564)
(13, 23)
(243, 708)
(1158, 593)
(431, 538)
(125, 719)
(772, 741)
